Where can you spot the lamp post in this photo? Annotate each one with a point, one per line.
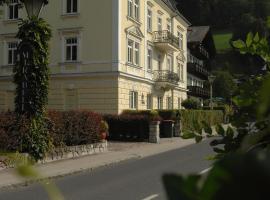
(34, 7)
(25, 50)
(211, 80)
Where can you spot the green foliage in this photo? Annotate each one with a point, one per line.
(222, 40)
(234, 177)
(191, 104)
(34, 35)
(224, 85)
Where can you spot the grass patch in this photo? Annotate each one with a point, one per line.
(222, 39)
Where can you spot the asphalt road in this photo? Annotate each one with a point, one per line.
(138, 179)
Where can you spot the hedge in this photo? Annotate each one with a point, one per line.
(189, 118)
(65, 129)
(128, 127)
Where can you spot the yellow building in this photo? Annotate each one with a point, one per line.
(105, 55)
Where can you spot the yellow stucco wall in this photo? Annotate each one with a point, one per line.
(101, 79)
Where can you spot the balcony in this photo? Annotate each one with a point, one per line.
(166, 41)
(197, 91)
(197, 70)
(166, 79)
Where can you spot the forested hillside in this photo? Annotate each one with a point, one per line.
(230, 20)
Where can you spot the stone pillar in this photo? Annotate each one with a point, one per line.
(177, 128)
(154, 132)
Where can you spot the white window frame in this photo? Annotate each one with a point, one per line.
(149, 102)
(72, 12)
(169, 25)
(159, 23)
(133, 100)
(130, 8)
(182, 72)
(181, 40)
(149, 58)
(12, 5)
(133, 52)
(13, 51)
(149, 19)
(136, 9)
(170, 63)
(160, 103)
(159, 58)
(77, 44)
(169, 103)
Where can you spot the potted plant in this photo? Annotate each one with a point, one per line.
(104, 128)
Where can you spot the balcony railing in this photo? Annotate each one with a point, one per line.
(198, 70)
(198, 91)
(166, 76)
(166, 37)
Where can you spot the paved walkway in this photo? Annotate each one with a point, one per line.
(117, 152)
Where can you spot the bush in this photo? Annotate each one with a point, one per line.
(194, 119)
(128, 127)
(59, 129)
(75, 127)
(191, 104)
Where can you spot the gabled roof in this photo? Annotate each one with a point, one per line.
(197, 33)
(172, 4)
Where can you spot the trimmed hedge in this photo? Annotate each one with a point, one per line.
(64, 129)
(189, 118)
(128, 127)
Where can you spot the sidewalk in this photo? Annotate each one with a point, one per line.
(117, 152)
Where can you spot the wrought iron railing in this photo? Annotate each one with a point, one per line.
(166, 76)
(166, 36)
(198, 91)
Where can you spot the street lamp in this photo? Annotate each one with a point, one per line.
(33, 7)
(211, 80)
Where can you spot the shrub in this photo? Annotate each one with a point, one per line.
(128, 127)
(152, 115)
(191, 104)
(75, 127)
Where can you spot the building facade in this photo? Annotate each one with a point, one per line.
(201, 51)
(106, 56)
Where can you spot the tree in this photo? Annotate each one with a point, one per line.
(224, 85)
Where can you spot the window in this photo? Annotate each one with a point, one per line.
(179, 103)
(160, 103)
(130, 8)
(133, 100)
(180, 37)
(134, 9)
(169, 26)
(149, 102)
(149, 58)
(12, 51)
(169, 102)
(72, 6)
(169, 63)
(159, 62)
(72, 49)
(182, 72)
(130, 51)
(149, 20)
(133, 52)
(159, 23)
(13, 10)
(137, 54)
(179, 70)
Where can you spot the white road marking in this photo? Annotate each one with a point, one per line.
(206, 170)
(151, 197)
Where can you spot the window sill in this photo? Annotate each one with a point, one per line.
(132, 65)
(150, 32)
(134, 20)
(150, 71)
(70, 15)
(70, 63)
(12, 21)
